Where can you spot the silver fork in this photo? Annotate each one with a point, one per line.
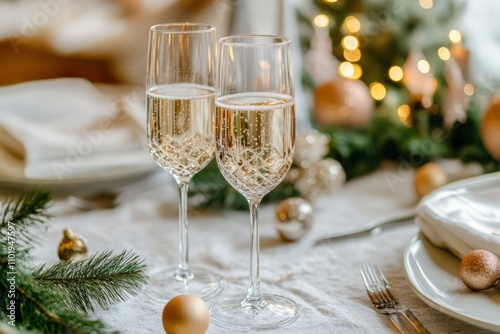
(385, 302)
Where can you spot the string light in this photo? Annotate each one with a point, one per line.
(351, 25)
(469, 89)
(396, 73)
(404, 112)
(426, 4)
(455, 36)
(377, 91)
(349, 70)
(321, 20)
(424, 66)
(350, 42)
(352, 55)
(444, 53)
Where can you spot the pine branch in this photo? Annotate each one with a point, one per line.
(24, 217)
(103, 278)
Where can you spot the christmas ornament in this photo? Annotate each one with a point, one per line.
(321, 178)
(185, 314)
(310, 147)
(428, 178)
(294, 218)
(72, 247)
(343, 102)
(419, 79)
(480, 270)
(490, 128)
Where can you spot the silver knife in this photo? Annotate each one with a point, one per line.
(369, 229)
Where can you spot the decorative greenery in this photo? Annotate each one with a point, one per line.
(56, 299)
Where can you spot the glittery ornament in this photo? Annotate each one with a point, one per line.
(343, 102)
(185, 314)
(480, 270)
(294, 218)
(310, 147)
(322, 178)
(72, 246)
(490, 129)
(428, 178)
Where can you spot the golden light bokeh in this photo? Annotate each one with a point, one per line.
(349, 70)
(350, 42)
(321, 21)
(444, 53)
(469, 89)
(352, 55)
(404, 111)
(331, 1)
(352, 25)
(396, 73)
(377, 91)
(426, 4)
(455, 36)
(423, 66)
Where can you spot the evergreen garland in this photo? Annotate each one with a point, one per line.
(56, 299)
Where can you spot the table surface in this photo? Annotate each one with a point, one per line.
(324, 280)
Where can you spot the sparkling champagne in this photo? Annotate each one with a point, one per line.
(180, 127)
(255, 138)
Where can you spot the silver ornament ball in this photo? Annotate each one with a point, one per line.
(294, 218)
(322, 178)
(310, 147)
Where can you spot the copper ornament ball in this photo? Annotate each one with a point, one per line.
(429, 177)
(72, 247)
(343, 102)
(490, 129)
(185, 314)
(480, 270)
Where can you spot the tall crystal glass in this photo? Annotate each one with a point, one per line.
(255, 139)
(180, 104)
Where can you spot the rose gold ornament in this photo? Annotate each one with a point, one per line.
(480, 270)
(185, 314)
(428, 178)
(490, 128)
(294, 218)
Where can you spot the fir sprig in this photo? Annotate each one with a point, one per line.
(103, 278)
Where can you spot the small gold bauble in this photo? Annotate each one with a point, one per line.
(480, 270)
(429, 177)
(294, 218)
(72, 246)
(343, 102)
(322, 178)
(490, 129)
(185, 314)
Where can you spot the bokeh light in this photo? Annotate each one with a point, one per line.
(377, 91)
(444, 53)
(469, 89)
(426, 4)
(350, 43)
(352, 55)
(321, 20)
(352, 25)
(455, 36)
(396, 73)
(423, 66)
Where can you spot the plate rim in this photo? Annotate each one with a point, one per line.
(471, 319)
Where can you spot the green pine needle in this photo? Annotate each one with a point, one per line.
(103, 278)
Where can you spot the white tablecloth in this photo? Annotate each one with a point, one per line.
(325, 280)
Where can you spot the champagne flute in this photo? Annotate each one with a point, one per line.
(255, 139)
(180, 103)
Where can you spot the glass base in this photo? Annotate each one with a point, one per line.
(164, 284)
(235, 313)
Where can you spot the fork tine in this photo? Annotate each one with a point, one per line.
(368, 284)
(379, 285)
(387, 285)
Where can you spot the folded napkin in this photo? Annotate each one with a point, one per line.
(463, 216)
(67, 128)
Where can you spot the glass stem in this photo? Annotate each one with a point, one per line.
(254, 298)
(183, 269)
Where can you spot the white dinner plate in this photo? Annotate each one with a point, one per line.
(433, 274)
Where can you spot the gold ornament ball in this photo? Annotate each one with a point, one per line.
(185, 314)
(294, 218)
(480, 270)
(490, 129)
(72, 247)
(324, 177)
(429, 177)
(343, 102)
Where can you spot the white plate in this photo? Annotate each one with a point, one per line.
(433, 274)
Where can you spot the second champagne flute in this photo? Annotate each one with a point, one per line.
(180, 102)
(255, 140)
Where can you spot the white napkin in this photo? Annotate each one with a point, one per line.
(67, 128)
(463, 216)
